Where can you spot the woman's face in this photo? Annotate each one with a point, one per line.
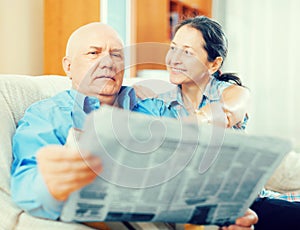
(187, 59)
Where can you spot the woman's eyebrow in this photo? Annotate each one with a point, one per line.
(188, 46)
(184, 46)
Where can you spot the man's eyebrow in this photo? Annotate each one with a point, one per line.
(96, 47)
(116, 50)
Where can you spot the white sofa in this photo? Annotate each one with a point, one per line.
(17, 92)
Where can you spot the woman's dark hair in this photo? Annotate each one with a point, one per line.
(215, 43)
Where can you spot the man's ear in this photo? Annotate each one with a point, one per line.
(215, 65)
(66, 63)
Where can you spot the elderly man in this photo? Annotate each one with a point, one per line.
(44, 172)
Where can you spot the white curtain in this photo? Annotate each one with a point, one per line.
(264, 49)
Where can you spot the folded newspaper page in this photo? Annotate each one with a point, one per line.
(167, 170)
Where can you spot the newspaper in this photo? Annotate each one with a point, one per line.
(168, 170)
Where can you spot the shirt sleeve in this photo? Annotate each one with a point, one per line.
(216, 90)
(221, 86)
(38, 127)
(154, 107)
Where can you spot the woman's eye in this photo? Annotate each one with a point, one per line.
(187, 52)
(172, 47)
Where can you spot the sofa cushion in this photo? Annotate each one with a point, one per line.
(285, 179)
(26, 222)
(9, 213)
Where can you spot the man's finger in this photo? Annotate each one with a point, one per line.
(59, 153)
(66, 166)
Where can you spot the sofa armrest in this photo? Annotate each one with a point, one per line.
(286, 176)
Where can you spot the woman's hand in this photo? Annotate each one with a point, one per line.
(235, 100)
(212, 114)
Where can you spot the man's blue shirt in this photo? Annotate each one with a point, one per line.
(44, 123)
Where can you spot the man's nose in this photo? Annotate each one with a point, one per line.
(106, 61)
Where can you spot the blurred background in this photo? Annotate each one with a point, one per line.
(263, 44)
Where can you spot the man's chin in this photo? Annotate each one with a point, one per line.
(113, 91)
(107, 97)
(106, 93)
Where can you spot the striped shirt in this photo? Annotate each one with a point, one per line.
(291, 196)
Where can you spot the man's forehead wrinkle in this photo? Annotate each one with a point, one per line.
(89, 30)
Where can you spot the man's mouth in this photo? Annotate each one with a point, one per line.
(105, 77)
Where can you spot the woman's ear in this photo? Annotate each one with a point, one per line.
(66, 63)
(215, 65)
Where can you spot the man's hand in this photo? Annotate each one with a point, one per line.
(245, 222)
(65, 170)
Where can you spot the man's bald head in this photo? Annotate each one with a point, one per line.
(88, 30)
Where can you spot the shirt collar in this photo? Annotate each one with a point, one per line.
(126, 99)
(175, 96)
(210, 92)
(86, 103)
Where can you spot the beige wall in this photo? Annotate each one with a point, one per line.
(21, 36)
(264, 50)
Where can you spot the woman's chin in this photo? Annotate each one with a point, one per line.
(176, 80)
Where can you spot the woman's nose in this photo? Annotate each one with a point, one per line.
(175, 57)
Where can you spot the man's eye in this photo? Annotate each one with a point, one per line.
(172, 47)
(118, 55)
(92, 53)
